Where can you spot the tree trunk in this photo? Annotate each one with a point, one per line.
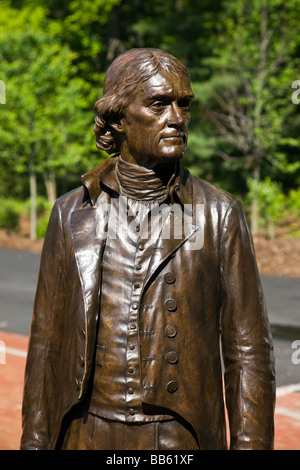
(33, 199)
(254, 203)
(115, 44)
(50, 184)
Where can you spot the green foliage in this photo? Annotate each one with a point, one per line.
(43, 212)
(293, 203)
(248, 96)
(42, 224)
(271, 202)
(46, 124)
(42, 205)
(10, 211)
(242, 56)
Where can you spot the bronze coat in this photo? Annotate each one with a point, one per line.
(217, 292)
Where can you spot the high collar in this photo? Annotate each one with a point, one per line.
(144, 184)
(104, 174)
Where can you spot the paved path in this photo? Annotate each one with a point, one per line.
(283, 300)
(18, 277)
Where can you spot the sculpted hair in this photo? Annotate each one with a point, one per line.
(121, 80)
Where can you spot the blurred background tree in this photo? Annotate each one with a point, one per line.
(248, 95)
(243, 59)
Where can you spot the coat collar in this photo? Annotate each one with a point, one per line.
(104, 174)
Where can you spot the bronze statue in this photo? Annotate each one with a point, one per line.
(148, 290)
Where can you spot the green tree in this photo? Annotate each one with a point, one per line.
(249, 93)
(243, 59)
(45, 127)
(271, 203)
(98, 32)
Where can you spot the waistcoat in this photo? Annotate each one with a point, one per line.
(116, 392)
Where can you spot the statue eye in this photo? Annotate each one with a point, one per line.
(158, 105)
(185, 104)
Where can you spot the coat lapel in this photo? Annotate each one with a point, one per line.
(179, 226)
(88, 226)
(89, 231)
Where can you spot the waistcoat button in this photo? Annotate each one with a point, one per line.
(172, 386)
(172, 357)
(169, 278)
(170, 305)
(170, 331)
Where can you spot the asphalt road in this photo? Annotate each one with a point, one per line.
(18, 277)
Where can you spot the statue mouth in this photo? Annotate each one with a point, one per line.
(175, 137)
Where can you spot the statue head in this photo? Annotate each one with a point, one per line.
(120, 86)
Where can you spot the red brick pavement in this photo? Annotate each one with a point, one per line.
(13, 349)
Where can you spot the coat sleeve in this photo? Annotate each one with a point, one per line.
(246, 339)
(45, 343)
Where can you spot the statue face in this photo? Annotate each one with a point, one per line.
(155, 123)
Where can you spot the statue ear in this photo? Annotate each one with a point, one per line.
(117, 125)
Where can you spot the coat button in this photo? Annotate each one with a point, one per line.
(172, 386)
(169, 278)
(170, 305)
(172, 357)
(170, 331)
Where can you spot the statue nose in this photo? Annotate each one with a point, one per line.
(175, 118)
